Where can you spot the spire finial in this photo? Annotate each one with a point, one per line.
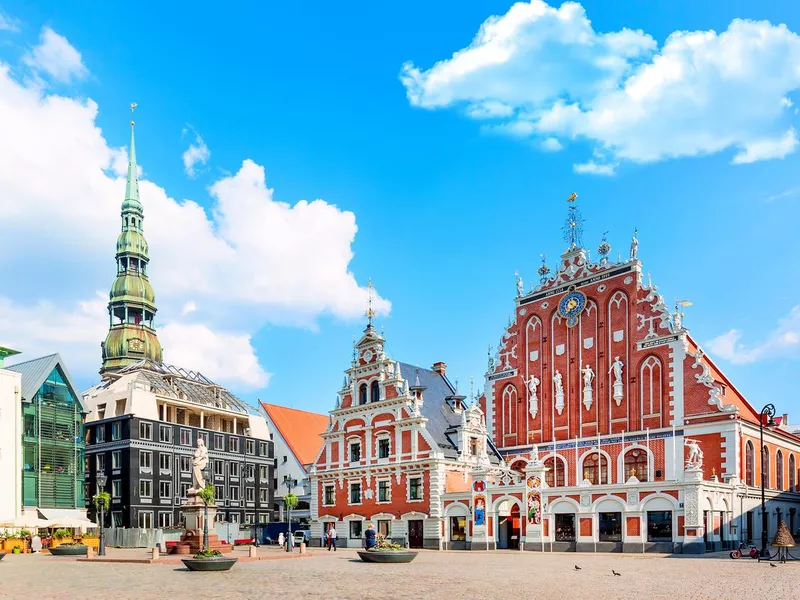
(132, 185)
(370, 312)
(573, 228)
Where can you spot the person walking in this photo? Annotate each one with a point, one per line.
(370, 537)
(332, 538)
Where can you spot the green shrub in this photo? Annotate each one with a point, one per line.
(208, 553)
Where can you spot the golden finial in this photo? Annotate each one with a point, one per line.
(133, 107)
(370, 313)
(572, 197)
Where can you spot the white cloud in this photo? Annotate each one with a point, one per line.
(552, 145)
(196, 154)
(8, 23)
(783, 342)
(55, 56)
(593, 168)
(701, 92)
(251, 260)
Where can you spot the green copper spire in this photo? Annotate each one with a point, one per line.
(132, 303)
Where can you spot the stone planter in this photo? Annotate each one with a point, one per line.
(387, 556)
(68, 551)
(209, 564)
(2, 555)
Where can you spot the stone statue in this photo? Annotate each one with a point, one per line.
(588, 377)
(634, 244)
(533, 402)
(199, 463)
(695, 460)
(559, 391)
(616, 367)
(520, 286)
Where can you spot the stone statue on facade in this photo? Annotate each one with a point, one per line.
(695, 460)
(634, 245)
(588, 377)
(520, 285)
(199, 462)
(616, 368)
(559, 387)
(533, 402)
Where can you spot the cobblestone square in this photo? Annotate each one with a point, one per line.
(436, 575)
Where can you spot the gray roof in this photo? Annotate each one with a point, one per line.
(35, 372)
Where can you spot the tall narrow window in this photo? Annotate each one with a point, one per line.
(375, 391)
(595, 469)
(510, 410)
(765, 466)
(555, 476)
(362, 394)
(749, 464)
(779, 471)
(792, 473)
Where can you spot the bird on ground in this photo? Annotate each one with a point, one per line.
(616, 574)
(577, 568)
(772, 565)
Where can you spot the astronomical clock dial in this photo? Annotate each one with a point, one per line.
(367, 356)
(571, 306)
(136, 345)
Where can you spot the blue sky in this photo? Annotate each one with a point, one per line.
(454, 175)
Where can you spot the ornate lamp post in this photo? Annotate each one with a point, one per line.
(768, 411)
(101, 487)
(207, 477)
(290, 485)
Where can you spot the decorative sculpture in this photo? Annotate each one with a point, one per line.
(616, 367)
(588, 377)
(634, 244)
(520, 285)
(199, 462)
(557, 382)
(533, 402)
(695, 460)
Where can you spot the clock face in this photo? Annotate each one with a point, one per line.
(136, 345)
(367, 355)
(571, 306)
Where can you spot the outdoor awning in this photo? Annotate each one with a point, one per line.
(66, 517)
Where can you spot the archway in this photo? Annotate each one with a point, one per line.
(508, 524)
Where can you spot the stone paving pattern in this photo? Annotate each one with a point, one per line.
(438, 575)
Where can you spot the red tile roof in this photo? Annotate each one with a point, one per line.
(301, 430)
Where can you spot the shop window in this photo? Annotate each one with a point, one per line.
(458, 529)
(355, 529)
(610, 526)
(565, 528)
(659, 526)
(384, 528)
(555, 476)
(636, 464)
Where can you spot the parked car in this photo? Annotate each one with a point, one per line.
(302, 535)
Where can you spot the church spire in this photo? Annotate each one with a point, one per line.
(132, 186)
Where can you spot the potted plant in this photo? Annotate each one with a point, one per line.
(63, 544)
(385, 551)
(208, 559)
(13, 542)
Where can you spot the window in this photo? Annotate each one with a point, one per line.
(165, 434)
(779, 471)
(458, 529)
(219, 468)
(145, 519)
(219, 492)
(473, 446)
(375, 391)
(116, 488)
(565, 528)
(116, 518)
(146, 433)
(555, 476)
(610, 526)
(234, 493)
(218, 442)
(233, 517)
(165, 489)
(233, 444)
(262, 448)
(510, 410)
(385, 491)
(263, 518)
(355, 494)
(792, 474)
(595, 469)
(659, 526)
(249, 518)
(250, 446)
(116, 460)
(765, 466)
(101, 411)
(165, 519)
(250, 472)
(262, 473)
(384, 528)
(100, 434)
(250, 494)
(101, 463)
(165, 463)
(750, 462)
(145, 488)
(263, 496)
(415, 488)
(362, 394)
(355, 529)
(203, 435)
(233, 469)
(383, 448)
(329, 495)
(186, 464)
(186, 437)
(184, 490)
(145, 461)
(355, 451)
(116, 431)
(636, 465)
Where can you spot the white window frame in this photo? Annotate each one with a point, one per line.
(350, 485)
(100, 434)
(149, 467)
(324, 493)
(263, 495)
(100, 462)
(262, 448)
(233, 444)
(142, 485)
(409, 477)
(219, 441)
(116, 460)
(185, 489)
(217, 494)
(148, 427)
(234, 491)
(116, 488)
(250, 447)
(162, 429)
(355, 441)
(161, 488)
(116, 431)
(187, 435)
(165, 519)
(378, 482)
(149, 517)
(233, 469)
(250, 494)
(384, 435)
(219, 468)
(161, 468)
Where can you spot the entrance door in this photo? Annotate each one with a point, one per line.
(415, 534)
(514, 528)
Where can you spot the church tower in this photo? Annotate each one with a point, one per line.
(131, 307)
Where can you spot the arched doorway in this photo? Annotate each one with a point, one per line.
(508, 525)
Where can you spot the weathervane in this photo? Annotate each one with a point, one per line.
(544, 270)
(573, 228)
(603, 249)
(133, 108)
(370, 313)
(678, 316)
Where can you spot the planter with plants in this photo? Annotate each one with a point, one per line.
(61, 536)
(385, 551)
(15, 542)
(208, 559)
(69, 549)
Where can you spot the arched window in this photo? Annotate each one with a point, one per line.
(595, 468)
(510, 409)
(779, 471)
(650, 381)
(375, 391)
(749, 464)
(765, 466)
(555, 476)
(792, 473)
(636, 464)
(362, 394)
(518, 466)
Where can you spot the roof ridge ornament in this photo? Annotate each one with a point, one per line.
(370, 312)
(573, 228)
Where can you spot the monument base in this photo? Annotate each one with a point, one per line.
(191, 541)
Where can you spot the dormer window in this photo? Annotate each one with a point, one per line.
(375, 391)
(362, 394)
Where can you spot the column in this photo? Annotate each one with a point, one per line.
(693, 516)
(532, 510)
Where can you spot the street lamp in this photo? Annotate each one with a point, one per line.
(290, 484)
(768, 411)
(101, 485)
(207, 478)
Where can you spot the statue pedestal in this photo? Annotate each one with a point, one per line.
(694, 527)
(192, 539)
